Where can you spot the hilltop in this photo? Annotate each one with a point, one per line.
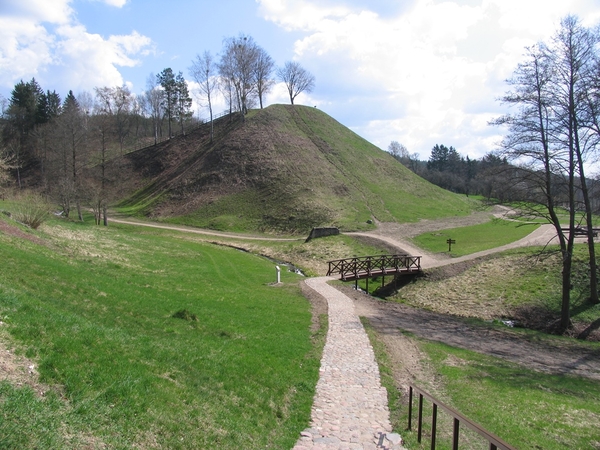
(283, 168)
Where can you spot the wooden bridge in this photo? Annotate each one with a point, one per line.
(352, 269)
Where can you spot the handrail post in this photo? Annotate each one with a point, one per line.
(455, 434)
(410, 400)
(420, 421)
(433, 426)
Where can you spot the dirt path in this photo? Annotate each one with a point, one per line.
(201, 231)
(398, 235)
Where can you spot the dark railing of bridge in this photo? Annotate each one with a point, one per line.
(353, 269)
(494, 442)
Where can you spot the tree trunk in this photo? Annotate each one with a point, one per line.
(590, 232)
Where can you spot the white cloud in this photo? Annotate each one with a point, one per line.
(115, 3)
(42, 39)
(51, 11)
(435, 68)
(90, 61)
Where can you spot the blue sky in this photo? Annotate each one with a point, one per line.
(421, 72)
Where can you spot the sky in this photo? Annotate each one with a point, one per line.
(419, 72)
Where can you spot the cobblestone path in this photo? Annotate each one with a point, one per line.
(350, 406)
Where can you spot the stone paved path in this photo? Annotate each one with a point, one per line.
(350, 406)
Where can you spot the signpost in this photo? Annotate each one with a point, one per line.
(450, 242)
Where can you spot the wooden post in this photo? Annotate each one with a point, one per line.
(450, 242)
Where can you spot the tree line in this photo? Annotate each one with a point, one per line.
(63, 146)
(450, 170)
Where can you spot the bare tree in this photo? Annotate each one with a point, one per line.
(153, 99)
(203, 70)
(296, 79)
(398, 150)
(263, 70)
(238, 67)
(574, 56)
(530, 142)
(116, 102)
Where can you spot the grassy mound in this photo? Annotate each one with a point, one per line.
(285, 168)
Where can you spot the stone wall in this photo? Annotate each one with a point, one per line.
(321, 232)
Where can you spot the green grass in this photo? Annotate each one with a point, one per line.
(474, 238)
(528, 409)
(95, 310)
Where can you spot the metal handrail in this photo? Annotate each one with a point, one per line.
(494, 441)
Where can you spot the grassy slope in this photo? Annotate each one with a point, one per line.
(94, 310)
(528, 409)
(290, 168)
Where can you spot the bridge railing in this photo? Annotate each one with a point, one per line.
(494, 442)
(365, 266)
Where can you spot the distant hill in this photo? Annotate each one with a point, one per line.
(284, 168)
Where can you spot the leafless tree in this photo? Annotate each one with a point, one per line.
(551, 135)
(263, 70)
(530, 143)
(203, 70)
(152, 104)
(398, 150)
(575, 56)
(296, 79)
(238, 67)
(116, 103)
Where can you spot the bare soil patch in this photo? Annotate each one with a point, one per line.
(18, 370)
(12, 230)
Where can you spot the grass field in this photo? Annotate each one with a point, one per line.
(474, 238)
(151, 341)
(528, 409)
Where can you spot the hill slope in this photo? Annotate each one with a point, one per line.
(284, 168)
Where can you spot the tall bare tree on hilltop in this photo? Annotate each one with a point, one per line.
(296, 79)
(238, 68)
(263, 68)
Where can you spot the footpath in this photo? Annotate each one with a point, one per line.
(350, 409)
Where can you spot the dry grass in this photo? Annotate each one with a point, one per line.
(477, 292)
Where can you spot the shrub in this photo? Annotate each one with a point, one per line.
(30, 209)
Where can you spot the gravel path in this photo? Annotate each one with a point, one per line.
(350, 406)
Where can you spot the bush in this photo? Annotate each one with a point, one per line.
(31, 210)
